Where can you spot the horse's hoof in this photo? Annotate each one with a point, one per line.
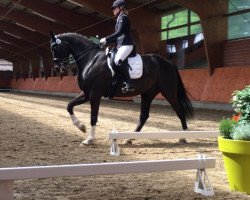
(128, 142)
(83, 128)
(182, 141)
(79, 125)
(87, 142)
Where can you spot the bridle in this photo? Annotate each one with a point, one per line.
(66, 62)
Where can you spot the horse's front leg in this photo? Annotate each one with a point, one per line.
(75, 102)
(94, 103)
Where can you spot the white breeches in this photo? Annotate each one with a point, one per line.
(123, 53)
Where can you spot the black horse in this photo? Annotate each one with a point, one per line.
(95, 80)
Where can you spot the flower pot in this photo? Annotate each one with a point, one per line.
(236, 156)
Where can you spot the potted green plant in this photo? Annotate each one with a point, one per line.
(234, 142)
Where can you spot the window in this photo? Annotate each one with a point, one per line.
(171, 48)
(238, 5)
(194, 17)
(199, 37)
(176, 33)
(180, 24)
(195, 29)
(184, 44)
(238, 22)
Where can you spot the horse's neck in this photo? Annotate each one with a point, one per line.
(79, 47)
(80, 51)
(86, 56)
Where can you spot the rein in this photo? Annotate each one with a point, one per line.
(66, 61)
(85, 52)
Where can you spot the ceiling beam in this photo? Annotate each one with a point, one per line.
(23, 44)
(104, 6)
(26, 34)
(8, 55)
(15, 50)
(146, 31)
(39, 24)
(65, 16)
(205, 8)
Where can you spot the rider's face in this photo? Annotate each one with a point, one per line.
(116, 10)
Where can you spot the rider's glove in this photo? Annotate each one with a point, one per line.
(103, 42)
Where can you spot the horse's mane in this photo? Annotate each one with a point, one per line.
(77, 35)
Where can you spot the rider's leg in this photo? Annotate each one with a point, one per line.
(124, 67)
(121, 55)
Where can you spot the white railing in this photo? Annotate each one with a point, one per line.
(115, 135)
(8, 175)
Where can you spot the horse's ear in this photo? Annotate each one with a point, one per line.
(53, 36)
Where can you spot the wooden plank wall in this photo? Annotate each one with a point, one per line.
(201, 86)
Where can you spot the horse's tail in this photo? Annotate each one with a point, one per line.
(182, 96)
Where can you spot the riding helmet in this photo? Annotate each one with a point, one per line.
(118, 3)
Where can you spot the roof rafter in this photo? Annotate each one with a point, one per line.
(15, 50)
(64, 16)
(36, 23)
(23, 44)
(28, 35)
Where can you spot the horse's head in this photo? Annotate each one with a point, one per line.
(61, 53)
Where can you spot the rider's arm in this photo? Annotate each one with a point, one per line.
(122, 23)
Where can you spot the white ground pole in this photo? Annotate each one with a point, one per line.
(8, 175)
(115, 135)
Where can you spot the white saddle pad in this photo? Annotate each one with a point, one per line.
(135, 69)
(135, 65)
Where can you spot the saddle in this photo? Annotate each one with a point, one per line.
(111, 54)
(134, 62)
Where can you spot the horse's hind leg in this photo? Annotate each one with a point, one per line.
(173, 101)
(75, 102)
(146, 100)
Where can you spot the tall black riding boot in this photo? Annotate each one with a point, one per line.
(128, 86)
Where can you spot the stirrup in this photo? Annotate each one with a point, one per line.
(127, 88)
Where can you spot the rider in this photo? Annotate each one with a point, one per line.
(123, 40)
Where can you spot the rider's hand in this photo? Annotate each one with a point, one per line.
(103, 42)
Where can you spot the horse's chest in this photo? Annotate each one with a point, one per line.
(86, 74)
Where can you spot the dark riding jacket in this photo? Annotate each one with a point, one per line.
(122, 32)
